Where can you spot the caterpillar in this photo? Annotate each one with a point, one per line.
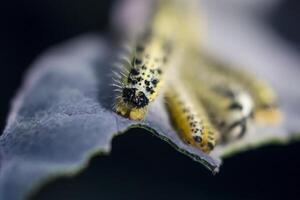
(190, 118)
(143, 69)
(229, 105)
(265, 99)
(142, 76)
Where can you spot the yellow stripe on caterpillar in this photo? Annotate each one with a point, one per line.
(190, 118)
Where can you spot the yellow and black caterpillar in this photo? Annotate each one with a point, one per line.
(142, 76)
(190, 118)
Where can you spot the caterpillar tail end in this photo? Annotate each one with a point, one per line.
(268, 116)
(205, 145)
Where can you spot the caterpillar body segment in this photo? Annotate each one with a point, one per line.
(142, 76)
(180, 21)
(264, 97)
(190, 118)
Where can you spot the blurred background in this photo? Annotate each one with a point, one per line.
(141, 166)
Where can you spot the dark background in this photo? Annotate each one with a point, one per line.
(140, 166)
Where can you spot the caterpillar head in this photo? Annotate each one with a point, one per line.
(132, 102)
(134, 98)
